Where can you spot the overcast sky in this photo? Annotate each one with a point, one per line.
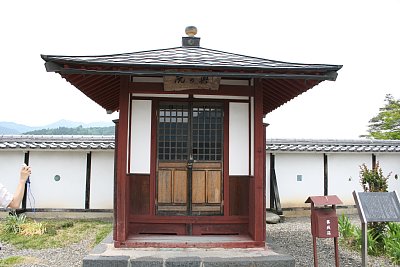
(361, 35)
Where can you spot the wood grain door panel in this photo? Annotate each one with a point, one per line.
(164, 186)
(198, 187)
(180, 187)
(214, 186)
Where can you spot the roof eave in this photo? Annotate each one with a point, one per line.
(260, 73)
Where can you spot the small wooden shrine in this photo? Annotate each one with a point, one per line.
(190, 138)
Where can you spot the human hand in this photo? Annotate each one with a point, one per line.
(25, 173)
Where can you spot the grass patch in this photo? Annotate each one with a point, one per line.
(383, 243)
(17, 260)
(11, 261)
(56, 234)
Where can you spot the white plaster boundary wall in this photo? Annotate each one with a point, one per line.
(268, 180)
(10, 165)
(69, 191)
(102, 180)
(70, 165)
(309, 168)
(343, 174)
(390, 163)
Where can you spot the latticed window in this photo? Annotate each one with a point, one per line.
(173, 132)
(185, 129)
(207, 133)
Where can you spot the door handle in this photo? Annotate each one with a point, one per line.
(190, 162)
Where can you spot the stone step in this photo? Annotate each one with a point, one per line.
(125, 261)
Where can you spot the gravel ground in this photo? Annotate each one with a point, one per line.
(291, 237)
(70, 256)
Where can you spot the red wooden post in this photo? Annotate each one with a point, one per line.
(153, 160)
(265, 175)
(258, 186)
(122, 184)
(115, 182)
(226, 160)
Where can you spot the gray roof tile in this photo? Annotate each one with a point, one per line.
(183, 57)
(334, 146)
(59, 142)
(34, 142)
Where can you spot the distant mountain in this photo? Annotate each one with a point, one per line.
(73, 124)
(4, 130)
(110, 130)
(15, 128)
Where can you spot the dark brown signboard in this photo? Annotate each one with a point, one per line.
(378, 206)
(180, 83)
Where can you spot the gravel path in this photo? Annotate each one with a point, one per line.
(292, 237)
(70, 256)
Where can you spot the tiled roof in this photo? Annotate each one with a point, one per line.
(60, 142)
(184, 57)
(98, 77)
(332, 146)
(96, 142)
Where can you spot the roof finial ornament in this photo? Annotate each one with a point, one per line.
(191, 40)
(191, 31)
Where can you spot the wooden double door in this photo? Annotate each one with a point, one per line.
(190, 159)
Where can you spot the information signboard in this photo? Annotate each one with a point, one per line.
(375, 207)
(378, 206)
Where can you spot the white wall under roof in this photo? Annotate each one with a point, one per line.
(69, 191)
(288, 166)
(102, 180)
(239, 139)
(343, 172)
(10, 165)
(140, 137)
(390, 163)
(343, 175)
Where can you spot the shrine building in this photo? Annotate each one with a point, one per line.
(190, 139)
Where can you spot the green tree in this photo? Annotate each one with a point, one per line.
(75, 131)
(373, 180)
(386, 125)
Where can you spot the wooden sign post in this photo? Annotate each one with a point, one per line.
(375, 207)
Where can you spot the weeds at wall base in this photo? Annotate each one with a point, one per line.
(385, 243)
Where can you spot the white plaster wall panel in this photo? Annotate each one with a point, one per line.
(344, 174)
(140, 136)
(390, 163)
(10, 166)
(102, 180)
(69, 191)
(309, 167)
(239, 139)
